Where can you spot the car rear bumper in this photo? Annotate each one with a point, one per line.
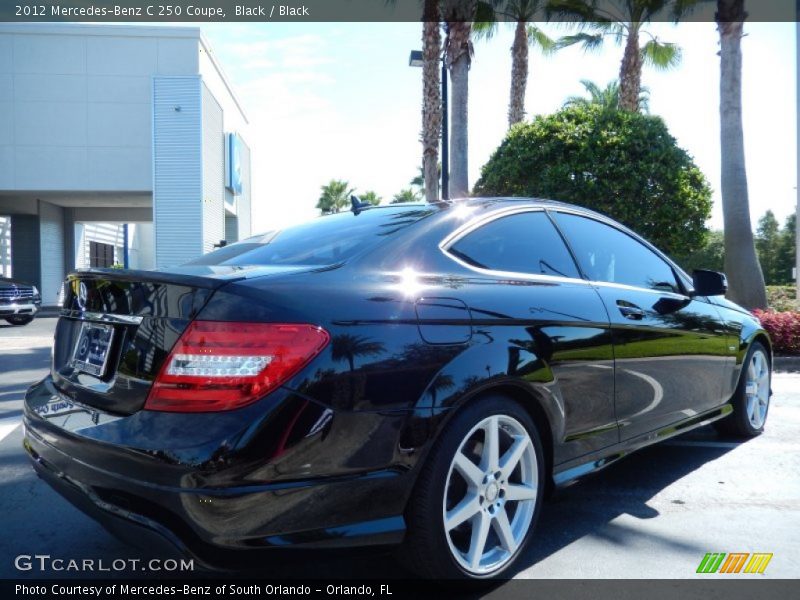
(30, 308)
(171, 508)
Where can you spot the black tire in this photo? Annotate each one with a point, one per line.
(739, 423)
(428, 548)
(19, 319)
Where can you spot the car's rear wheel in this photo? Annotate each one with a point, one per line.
(19, 319)
(478, 497)
(751, 400)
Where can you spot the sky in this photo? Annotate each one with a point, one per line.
(339, 101)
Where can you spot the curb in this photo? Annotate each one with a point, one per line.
(787, 364)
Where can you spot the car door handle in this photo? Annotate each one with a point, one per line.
(630, 311)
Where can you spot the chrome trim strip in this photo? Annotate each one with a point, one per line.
(102, 317)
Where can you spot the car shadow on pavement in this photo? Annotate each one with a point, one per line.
(588, 507)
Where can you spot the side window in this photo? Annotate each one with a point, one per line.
(520, 243)
(607, 254)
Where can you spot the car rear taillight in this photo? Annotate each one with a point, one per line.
(219, 365)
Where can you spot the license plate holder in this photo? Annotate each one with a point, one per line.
(92, 348)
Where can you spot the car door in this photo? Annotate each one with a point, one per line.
(532, 302)
(669, 349)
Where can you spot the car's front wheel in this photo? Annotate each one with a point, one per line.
(19, 319)
(477, 500)
(751, 400)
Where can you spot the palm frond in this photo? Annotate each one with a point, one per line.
(661, 55)
(590, 42)
(484, 23)
(576, 10)
(538, 38)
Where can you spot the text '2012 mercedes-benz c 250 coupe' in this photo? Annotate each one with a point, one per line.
(417, 375)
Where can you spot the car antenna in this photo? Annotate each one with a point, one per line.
(356, 205)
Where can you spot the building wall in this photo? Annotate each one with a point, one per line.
(51, 251)
(243, 201)
(75, 103)
(104, 233)
(177, 176)
(140, 246)
(213, 171)
(25, 263)
(5, 246)
(234, 121)
(117, 115)
(140, 243)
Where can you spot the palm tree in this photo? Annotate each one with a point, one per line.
(335, 196)
(406, 195)
(419, 180)
(607, 98)
(741, 263)
(458, 16)
(348, 347)
(624, 20)
(520, 12)
(371, 197)
(431, 97)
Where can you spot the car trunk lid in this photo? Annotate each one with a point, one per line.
(118, 326)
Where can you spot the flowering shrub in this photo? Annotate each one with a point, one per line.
(783, 329)
(781, 298)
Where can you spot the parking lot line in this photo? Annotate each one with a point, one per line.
(7, 426)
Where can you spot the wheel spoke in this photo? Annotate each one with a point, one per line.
(477, 543)
(751, 408)
(462, 511)
(503, 529)
(491, 446)
(468, 469)
(520, 492)
(512, 457)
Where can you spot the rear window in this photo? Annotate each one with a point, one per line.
(323, 241)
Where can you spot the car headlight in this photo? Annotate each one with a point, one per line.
(35, 291)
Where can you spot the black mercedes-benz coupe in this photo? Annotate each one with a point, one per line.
(412, 374)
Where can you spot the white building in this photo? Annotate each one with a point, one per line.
(118, 145)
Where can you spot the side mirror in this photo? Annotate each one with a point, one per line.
(709, 283)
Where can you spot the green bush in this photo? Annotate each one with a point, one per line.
(623, 164)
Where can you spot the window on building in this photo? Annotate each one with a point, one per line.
(101, 255)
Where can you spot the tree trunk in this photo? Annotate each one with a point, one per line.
(630, 72)
(431, 98)
(745, 279)
(458, 53)
(519, 74)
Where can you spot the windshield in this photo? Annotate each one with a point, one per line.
(323, 241)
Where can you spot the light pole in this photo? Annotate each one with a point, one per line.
(415, 59)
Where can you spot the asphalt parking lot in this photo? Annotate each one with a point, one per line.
(652, 515)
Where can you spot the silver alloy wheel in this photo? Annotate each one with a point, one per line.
(488, 505)
(756, 390)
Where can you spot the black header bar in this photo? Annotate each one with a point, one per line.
(153, 11)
